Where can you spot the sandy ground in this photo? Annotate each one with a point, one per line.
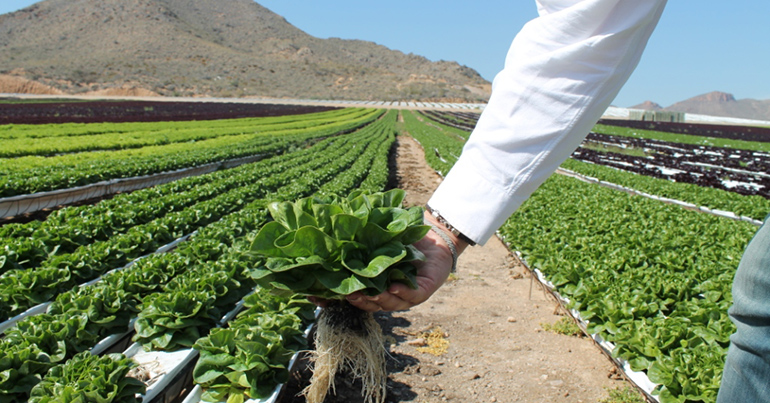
(490, 317)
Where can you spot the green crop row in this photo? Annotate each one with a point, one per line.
(24, 288)
(251, 356)
(652, 278)
(215, 246)
(34, 174)
(756, 207)
(45, 140)
(31, 244)
(442, 147)
(79, 318)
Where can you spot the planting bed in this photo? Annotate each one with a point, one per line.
(461, 120)
(140, 111)
(733, 132)
(746, 172)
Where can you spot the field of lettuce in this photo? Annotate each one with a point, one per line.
(107, 291)
(643, 273)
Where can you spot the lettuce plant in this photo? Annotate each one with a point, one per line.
(333, 247)
(171, 321)
(246, 361)
(235, 363)
(329, 248)
(89, 378)
(251, 356)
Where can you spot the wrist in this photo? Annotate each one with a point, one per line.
(454, 232)
(458, 243)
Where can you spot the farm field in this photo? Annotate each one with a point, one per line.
(91, 111)
(165, 266)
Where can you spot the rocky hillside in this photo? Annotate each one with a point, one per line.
(717, 103)
(212, 48)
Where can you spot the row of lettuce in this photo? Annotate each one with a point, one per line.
(755, 207)
(652, 278)
(174, 300)
(77, 244)
(442, 144)
(54, 139)
(64, 168)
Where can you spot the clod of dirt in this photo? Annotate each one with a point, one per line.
(417, 342)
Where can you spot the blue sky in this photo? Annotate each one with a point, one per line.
(698, 47)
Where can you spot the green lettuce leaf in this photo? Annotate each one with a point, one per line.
(333, 246)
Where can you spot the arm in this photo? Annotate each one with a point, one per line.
(561, 73)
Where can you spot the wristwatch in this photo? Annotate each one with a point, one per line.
(449, 226)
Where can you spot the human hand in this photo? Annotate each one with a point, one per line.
(431, 274)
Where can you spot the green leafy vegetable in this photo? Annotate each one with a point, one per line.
(245, 361)
(331, 247)
(251, 357)
(89, 378)
(174, 320)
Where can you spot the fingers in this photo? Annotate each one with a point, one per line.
(369, 304)
(431, 274)
(386, 301)
(399, 297)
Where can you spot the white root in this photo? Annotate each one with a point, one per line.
(360, 350)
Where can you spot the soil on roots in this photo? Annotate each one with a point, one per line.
(491, 316)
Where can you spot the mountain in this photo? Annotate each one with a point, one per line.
(717, 103)
(648, 106)
(222, 48)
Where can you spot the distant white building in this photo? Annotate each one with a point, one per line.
(656, 116)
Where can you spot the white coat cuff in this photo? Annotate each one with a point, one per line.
(472, 204)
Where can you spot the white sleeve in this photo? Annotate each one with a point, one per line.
(561, 73)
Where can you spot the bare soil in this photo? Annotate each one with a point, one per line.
(491, 318)
(19, 85)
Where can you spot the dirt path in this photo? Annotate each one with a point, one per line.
(491, 315)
